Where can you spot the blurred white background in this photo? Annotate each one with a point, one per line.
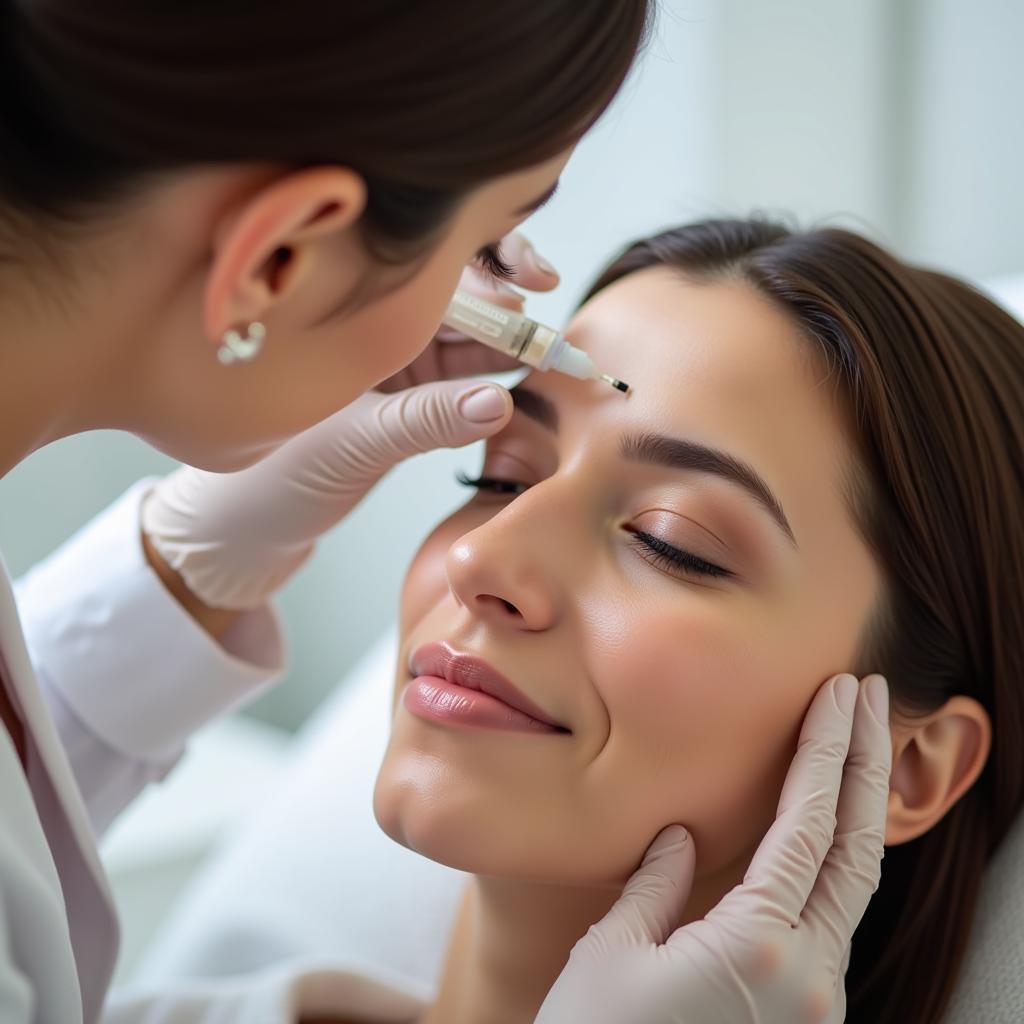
(901, 118)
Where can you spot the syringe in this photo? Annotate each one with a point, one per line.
(522, 338)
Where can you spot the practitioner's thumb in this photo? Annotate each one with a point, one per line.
(444, 414)
(377, 431)
(652, 904)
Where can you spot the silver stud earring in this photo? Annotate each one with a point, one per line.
(242, 348)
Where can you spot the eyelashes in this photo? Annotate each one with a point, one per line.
(490, 483)
(493, 263)
(658, 552)
(667, 556)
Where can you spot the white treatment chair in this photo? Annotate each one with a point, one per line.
(311, 873)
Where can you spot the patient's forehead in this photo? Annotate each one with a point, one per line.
(670, 337)
(720, 347)
(714, 362)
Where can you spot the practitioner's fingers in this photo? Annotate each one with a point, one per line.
(853, 866)
(785, 866)
(652, 903)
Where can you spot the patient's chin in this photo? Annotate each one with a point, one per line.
(408, 810)
(417, 804)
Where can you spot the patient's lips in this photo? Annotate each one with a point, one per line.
(459, 689)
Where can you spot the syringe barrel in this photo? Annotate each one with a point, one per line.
(503, 329)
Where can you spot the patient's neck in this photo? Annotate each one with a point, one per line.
(510, 943)
(512, 939)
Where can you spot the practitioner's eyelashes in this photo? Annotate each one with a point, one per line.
(666, 556)
(490, 483)
(493, 263)
(653, 549)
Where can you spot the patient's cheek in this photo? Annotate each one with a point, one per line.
(704, 727)
(426, 582)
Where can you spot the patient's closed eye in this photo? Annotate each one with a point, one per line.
(653, 549)
(667, 556)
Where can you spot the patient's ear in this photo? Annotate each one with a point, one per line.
(935, 759)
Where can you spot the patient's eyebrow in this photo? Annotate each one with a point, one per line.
(679, 454)
(536, 406)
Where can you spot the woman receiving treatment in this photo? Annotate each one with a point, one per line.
(818, 470)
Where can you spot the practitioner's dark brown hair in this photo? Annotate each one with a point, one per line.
(426, 100)
(933, 373)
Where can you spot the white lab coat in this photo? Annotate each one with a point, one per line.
(110, 675)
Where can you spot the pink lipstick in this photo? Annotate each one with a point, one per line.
(460, 689)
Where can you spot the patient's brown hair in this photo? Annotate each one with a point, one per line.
(933, 374)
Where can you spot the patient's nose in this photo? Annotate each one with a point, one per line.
(500, 575)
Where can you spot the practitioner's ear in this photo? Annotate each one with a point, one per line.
(936, 759)
(265, 249)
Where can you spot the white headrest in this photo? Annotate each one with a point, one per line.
(991, 988)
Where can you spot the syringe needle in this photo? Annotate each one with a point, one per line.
(619, 385)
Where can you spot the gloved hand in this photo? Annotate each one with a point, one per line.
(234, 538)
(776, 948)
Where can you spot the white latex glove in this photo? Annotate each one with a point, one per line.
(776, 948)
(234, 538)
